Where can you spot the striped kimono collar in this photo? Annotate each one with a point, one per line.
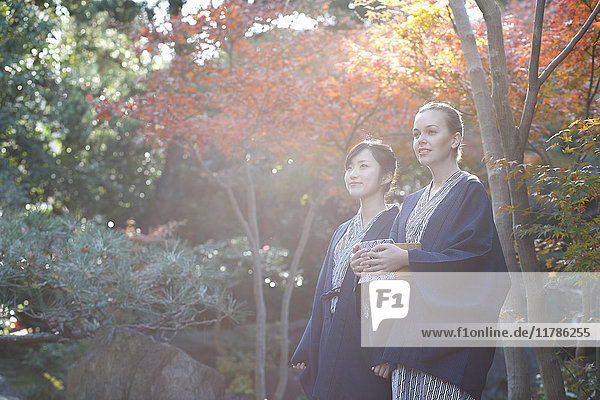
(343, 249)
(419, 217)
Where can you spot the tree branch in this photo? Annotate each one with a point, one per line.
(252, 204)
(533, 90)
(534, 83)
(499, 74)
(34, 338)
(591, 94)
(287, 294)
(541, 154)
(567, 50)
(536, 44)
(226, 188)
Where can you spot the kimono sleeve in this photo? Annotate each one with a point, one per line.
(308, 347)
(462, 241)
(302, 352)
(466, 243)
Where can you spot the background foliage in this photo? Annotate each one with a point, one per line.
(107, 106)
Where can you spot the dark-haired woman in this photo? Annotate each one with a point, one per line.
(452, 219)
(333, 364)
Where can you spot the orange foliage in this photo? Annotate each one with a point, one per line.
(315, 93)
(569, 92)
(263, 89)
(417, 44)
(413, 45)
(572, 87)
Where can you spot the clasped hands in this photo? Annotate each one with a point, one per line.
(382, 258)
(385, 257)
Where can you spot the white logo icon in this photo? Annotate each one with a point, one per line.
(389, 299)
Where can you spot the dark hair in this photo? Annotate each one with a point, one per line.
(382, 153)
(453, 119)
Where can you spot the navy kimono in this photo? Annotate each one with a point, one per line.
(460, 236)
(336, 366)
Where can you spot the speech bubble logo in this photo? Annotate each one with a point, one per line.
(389, 299)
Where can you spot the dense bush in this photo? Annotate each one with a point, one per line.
(568, 224)
(67, 277)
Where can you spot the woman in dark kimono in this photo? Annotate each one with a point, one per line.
(333, 364)
(452, 219)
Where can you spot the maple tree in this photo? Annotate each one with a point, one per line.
(224, 104)
(419, 41)
(515, 138)
(417, 44)
(259, 95)
(569, 92)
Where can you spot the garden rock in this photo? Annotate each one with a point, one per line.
(127, 365)
(4, 390)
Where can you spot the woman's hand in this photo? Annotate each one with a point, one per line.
(356, 261)
(385, 257)
(381, 370)
(299, 366)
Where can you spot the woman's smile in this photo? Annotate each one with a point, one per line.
(363, 176)
(423, 152)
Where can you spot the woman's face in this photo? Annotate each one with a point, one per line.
(363, 176)
(433, 143)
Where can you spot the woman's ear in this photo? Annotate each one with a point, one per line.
(387, 178)
(456, 140)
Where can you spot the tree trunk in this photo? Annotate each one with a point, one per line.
(166, 199)
(514, 146)
(261, 328)
(216, 335)
(547, 359)
(516, 359)
(586, 317)
(597, 366)
(284, 356)
(259, 297)
(517, 376)
(250, 227)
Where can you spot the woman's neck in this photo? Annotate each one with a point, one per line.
(370, 207)
(440, 173)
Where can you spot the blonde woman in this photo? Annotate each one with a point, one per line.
(452, 219)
